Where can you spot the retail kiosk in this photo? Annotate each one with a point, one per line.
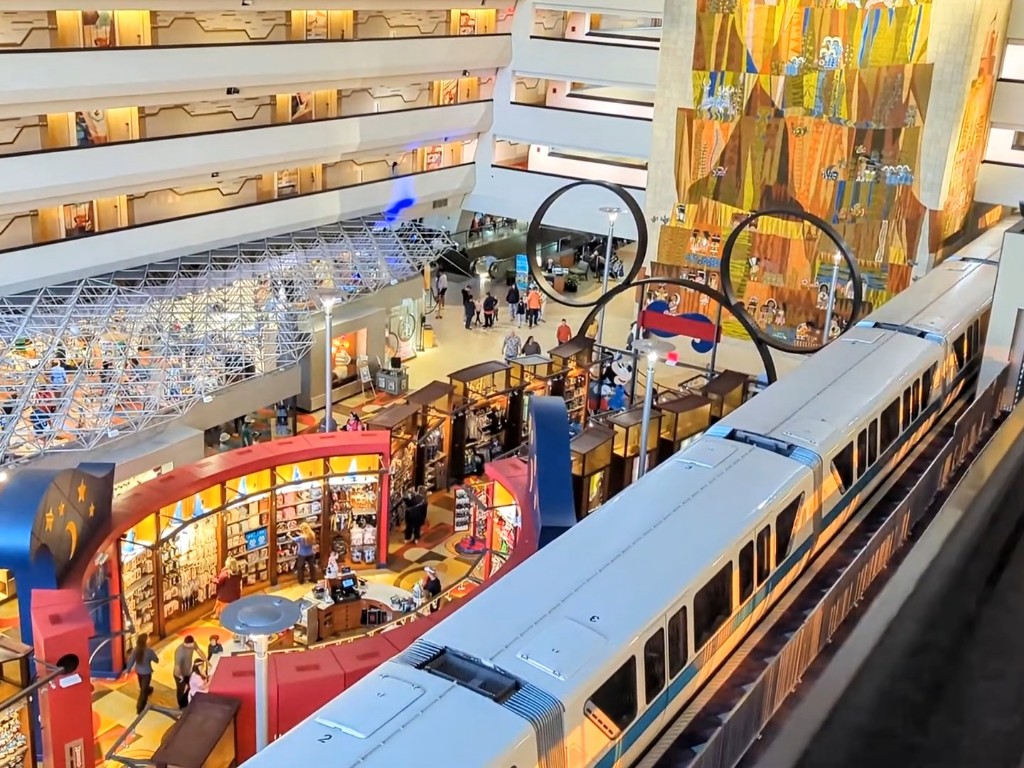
(591, 452)
(479, 417)
(682, 419)
(726, 391)
(571, 375)
(169, 559)
(401, 421)
(627, 427)
(432, 434)
(487, 512)
(16, 732)
(529, 376)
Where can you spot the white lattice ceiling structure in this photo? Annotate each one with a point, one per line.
(97, 359)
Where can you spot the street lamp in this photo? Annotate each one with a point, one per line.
(328, 298)
(256, 618)
(654, 348)
(836, 261)
(612, 213)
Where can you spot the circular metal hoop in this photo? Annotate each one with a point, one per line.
(533, 238)
(763, 348)
(738, 308)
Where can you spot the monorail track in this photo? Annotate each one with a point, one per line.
(682, 741)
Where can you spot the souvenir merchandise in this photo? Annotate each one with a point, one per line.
(403, 464)
(245, 536)
(354, 519)
(14, 737)
(189, 563)
(296, 504)
(434, 476)
(138, 586)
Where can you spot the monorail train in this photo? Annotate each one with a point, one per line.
(580, 656)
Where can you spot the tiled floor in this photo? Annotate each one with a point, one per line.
(114, 702)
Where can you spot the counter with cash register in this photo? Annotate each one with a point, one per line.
(346, 605)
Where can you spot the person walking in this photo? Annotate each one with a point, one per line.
(142, 661)
(511, 345)
(229, 586)
(533, 303)
(490, 310)
(512, 297)
(305, 553)
(531, 347)
(440, 289)
(564, 332)
(184, 658)
(520, 311)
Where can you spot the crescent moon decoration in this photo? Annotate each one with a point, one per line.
(72, 529)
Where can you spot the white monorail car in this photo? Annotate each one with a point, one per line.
(578, 657)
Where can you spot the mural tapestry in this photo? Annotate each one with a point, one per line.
(811, 104)
(971, 141)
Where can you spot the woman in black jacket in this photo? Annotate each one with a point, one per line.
(512, 297)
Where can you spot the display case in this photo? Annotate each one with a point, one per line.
(432, 434)
(401, 421)
(8, 589)
(626, 451)
(355, 511)
(138, 585)
(726, 391)
(591, 453)
(571, 367)
(681, 420)
(15, 720)
(298, 499)
(479, 420)
(529, 376)
(189, 561)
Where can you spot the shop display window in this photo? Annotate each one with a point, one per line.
(355, 506)
(298, 502)
(400, 421)
(247, 538)
(247, 485)
(15, 722)
(189, 563)
(138, 576)
(572, 361)
(479, 426)
(591, 453)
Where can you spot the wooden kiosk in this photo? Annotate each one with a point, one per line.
(681, 419)
(401, 421)
(726, 391)
(591, 453)
(626, 446)
(432, 434)
(570, 375)
(479, 416)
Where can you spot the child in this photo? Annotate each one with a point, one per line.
(332, 570)
(214, 647)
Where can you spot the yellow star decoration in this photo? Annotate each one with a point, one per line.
(49, 520)
(82, 490)
(60, 509)
(92, 509)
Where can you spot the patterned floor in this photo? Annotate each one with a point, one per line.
(114, 701)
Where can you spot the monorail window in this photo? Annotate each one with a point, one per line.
(843, 463)
(678, 653)
(915, 401)
(747, 571)
(889, 429)
(784, 525)
(960, 350)
(712, 606)
(616, 699)
(862, 452)
(872, 443)
(764, 554)
(905, 416)
(926, 386)
(654, 665)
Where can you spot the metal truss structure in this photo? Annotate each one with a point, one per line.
(96, 359)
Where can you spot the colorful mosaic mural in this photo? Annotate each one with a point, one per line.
(810, 104)
(971, 140)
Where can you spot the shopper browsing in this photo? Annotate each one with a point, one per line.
(415, 516)
(229, 586)
(531, 347)
(440, 288)
(184, 658)
(142, 661)
(511, 345)
(305, 553)
(198, 682)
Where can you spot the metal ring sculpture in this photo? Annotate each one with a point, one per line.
(737, 306)
(533, 238)
(762, 348)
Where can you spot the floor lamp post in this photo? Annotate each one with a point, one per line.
(654, 348)
(836, 260)
(257, 618)
(327, 300)
(612, 213)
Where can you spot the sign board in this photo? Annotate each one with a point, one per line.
(522, 271)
